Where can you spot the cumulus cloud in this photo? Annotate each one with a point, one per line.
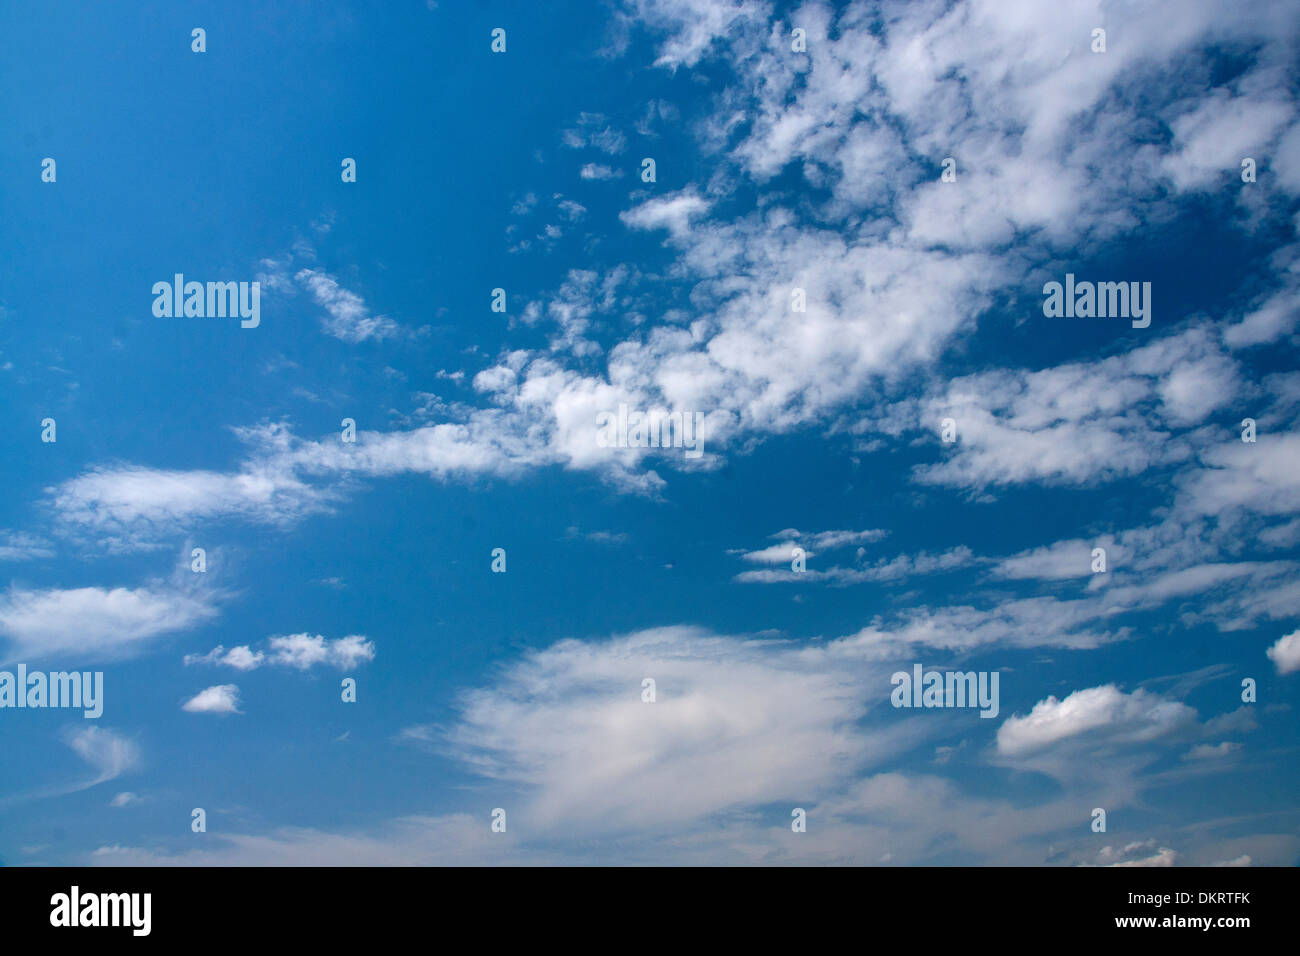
(1100, 713)
(900, 271)
(1072, 424)
(1236, 476)
(220, 699)
(897, 266)
(1285, 653)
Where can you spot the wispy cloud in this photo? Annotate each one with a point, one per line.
(96, 623)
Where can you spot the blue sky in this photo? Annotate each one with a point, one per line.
(775, 170)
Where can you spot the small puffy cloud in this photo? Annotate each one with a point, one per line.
(673, 212)
(598, 171)
(220, 699)
(574, 210)
(1285, 653)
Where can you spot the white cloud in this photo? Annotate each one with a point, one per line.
(1285, 653)
(1099, 713)
(693, 26)
(892, 569)
(1267, 322)
(1022, 622)
(673, 213)
(96, 623)
(349, 318)
(598, 171)
(1240, 476)
(782, 553)
(219, 699)
(811, 543)
(301, 651)
(19, 546)
(897, 265)
(1060, 561)
(1213, 137)
(594, 130)
(1162, 857)
(241, 658)
(451, 840)
(130, 507)
(1076, 423)
(304, 651)
(109, 753)
(736, 723)
(1212, 751)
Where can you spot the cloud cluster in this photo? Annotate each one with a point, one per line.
(300, 651)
